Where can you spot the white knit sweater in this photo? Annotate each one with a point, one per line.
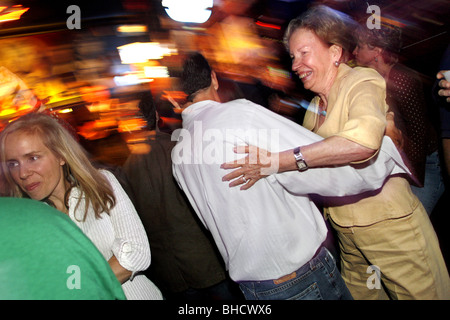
(120, 234)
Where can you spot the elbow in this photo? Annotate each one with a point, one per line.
(364, 154)
(133, 256)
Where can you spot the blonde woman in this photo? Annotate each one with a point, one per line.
(41, 160)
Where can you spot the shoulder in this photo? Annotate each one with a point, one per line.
(350, 77)
(361, 74)
(231, 114)
(110, 177)
(242, 108)
(106, 173)
(402, 75)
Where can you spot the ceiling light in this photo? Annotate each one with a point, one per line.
(190, 11)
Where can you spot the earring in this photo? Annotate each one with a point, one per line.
(376, 59)
(336, 63)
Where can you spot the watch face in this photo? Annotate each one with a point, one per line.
(302, 165)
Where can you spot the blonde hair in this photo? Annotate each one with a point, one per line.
(331, 26)
(78, 170)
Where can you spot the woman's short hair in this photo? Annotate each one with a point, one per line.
(331, 26)
(387, 37)
(78, 170)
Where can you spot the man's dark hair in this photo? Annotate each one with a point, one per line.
(196, 74)
(148, 109)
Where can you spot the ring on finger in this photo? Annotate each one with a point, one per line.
(243, 178)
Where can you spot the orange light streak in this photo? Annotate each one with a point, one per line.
(10, 16)
(268, 25)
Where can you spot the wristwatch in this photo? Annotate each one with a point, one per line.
(301, 163)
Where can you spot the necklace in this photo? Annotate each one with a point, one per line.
(322, 112)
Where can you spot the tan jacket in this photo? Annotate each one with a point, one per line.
(357, 111)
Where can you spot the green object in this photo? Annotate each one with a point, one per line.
(45, 256)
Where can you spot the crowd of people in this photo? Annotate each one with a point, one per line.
(172, 224)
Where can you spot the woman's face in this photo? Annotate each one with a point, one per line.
(34, 168)
(312, 60)
(364, 55)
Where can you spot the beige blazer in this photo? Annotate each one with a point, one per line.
(357, 111)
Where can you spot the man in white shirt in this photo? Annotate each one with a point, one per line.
(271, 235)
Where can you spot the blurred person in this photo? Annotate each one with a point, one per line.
(271, 237)
(388, 228)
(45, 256)
(185, 263)
(100, 136)
(441, 95)
(444, 85)
(42, 161)
(15, 96)
(28, 58)
(379, 49)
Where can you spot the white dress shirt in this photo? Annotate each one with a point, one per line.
(121, 234)
(273, 228)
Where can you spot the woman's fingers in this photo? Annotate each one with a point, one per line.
(248, 170)
(249, 184)
(239, 162)
(233, 174)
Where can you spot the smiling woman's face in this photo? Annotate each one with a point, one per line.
(34, 167)
(312, 60)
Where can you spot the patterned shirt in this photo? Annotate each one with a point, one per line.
(405, 97)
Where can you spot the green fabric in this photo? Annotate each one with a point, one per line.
(45, 256)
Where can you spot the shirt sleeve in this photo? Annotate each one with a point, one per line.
(326, 181)
(131, 246)
(366, 121)
(346, 180)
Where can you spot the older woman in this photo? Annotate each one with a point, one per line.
(41, 160)
(379, 49)
(387, 231)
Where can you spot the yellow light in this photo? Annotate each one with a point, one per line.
(13, 15)
(7, 112)
(135, 28)
(156, 72)
(67, 110)
(141, 52)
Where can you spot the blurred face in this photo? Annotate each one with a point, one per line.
(34, 168)
(364, 55)
(313, 61)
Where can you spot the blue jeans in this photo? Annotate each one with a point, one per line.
(319, 279)
(434, 184)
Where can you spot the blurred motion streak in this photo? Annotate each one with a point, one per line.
(268, 25)
(13, 13)
(94, 78)
(140, 52)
